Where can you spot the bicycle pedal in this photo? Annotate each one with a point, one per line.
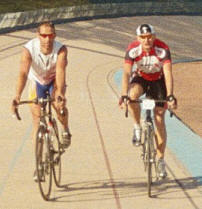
(57, 160)
(137, 144)
(54, 151)
(62, 150)
(163, 177)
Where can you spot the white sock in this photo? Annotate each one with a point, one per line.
(137, 126)
(137, 131)
(66, 130)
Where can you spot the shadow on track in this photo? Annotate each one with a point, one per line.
(127, 188)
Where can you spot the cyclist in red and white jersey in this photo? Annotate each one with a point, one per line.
(153, 76)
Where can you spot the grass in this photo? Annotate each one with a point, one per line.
(8, 6)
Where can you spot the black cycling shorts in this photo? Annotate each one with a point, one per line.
(153, 89)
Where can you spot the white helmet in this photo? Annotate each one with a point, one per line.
(144, 28)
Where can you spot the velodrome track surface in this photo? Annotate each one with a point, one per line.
(101, 169)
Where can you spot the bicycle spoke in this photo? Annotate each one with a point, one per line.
(149, 171)
(147, 160)
(43, 164)
(57, 152)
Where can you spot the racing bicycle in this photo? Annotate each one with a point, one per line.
(148, 140)
(48, 148)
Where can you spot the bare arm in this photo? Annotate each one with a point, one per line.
(167, 70)
(61, 71)
(22, 78)
(24, 70)
(125, 83)
(125, 78)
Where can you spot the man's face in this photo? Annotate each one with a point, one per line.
(147, 41)
(46, 36)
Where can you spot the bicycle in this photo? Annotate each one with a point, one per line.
(148, 139)
(48, 148)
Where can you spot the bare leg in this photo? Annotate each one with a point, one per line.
(63, 118)
(35, 110)
(135, 110)
(161, 136)
(135, 92)
(66, 135)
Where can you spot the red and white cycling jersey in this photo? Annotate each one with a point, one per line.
(149, 64)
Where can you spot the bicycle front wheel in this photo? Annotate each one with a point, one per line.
(43, 163)
(57, 152)
(148, 159)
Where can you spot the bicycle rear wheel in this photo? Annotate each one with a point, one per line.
(57, 152)
(43, 163)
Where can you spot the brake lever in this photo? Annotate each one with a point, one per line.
(171, 113)
(17, 114)
(126, 103)
(126, 113)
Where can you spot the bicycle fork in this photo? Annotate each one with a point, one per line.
(148, 139)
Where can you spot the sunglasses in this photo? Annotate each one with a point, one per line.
(47, 35)
(147, 36)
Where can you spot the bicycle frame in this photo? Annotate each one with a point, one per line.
(148, 142)
(48, 156)
(148, 150)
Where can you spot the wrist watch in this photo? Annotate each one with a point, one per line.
(170, 98)
(124, 97)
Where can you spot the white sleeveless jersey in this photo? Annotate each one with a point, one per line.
(43, 67)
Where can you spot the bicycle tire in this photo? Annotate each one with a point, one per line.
(57, 164)
(43, 163)
(148, 160)
(144, 139)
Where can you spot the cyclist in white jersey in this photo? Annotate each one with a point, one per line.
(44, 62)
